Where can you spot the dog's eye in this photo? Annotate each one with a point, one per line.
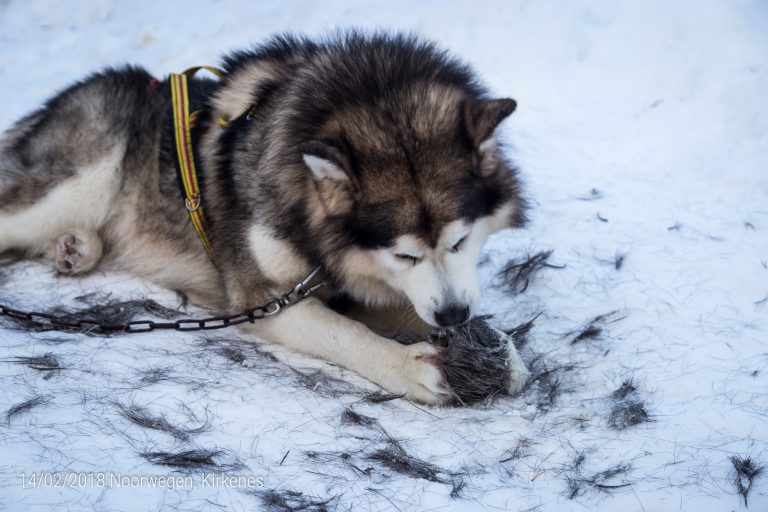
(458, 244)
(413, 260)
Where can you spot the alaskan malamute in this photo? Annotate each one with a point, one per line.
(372, 157)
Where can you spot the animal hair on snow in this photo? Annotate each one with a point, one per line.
(25, 406)
(594, 328)
(193, 459)
(475, 361)
(746, 471)
(48, 362)
(285, 500)
(517, 274)
(377, 445)
(519, 334)
(628, 409)
(142, 417)
(601, 481)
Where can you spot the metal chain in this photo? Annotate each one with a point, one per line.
(301, 291)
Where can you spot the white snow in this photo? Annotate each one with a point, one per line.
(662, 107)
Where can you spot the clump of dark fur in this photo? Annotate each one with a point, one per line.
(394, 457)
(546, 383)
(458, 486)
(628, 414)
(321, 383)
(155, 375)
(25, 406)
(234, 355)
(628, 409)
(578, 483)
(589, 332)
(516, 275)
(618, 260)
(350, 417)
(746, 471)
(184, 459)
(142, 417)
(277, 500)
(626, 389)
(192, 459)
(45, 363)
(238, 351)
(551, 389)
(594, 328)
(475, 361)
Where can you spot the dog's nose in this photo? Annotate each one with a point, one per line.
(452, 315)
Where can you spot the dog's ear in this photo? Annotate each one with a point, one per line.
(483, 118)
(330, 175)
(324, 169)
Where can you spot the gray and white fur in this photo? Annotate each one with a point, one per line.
(372, 156)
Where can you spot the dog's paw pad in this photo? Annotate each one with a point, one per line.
(77, 252)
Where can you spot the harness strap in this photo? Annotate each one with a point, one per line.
(183, 122)
(214, 71)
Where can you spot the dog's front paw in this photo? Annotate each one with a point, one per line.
(419, 375)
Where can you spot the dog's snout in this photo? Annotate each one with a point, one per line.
(454, 314)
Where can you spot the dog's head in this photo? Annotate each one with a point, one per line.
(406, 178)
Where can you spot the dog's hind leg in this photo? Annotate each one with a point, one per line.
(63, 223)
(62, 168)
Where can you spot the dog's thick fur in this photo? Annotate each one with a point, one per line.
(373, 157)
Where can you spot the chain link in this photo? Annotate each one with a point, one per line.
(273, 307)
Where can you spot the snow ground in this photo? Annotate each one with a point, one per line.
(661, 107)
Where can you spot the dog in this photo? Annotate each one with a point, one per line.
(373, 157)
